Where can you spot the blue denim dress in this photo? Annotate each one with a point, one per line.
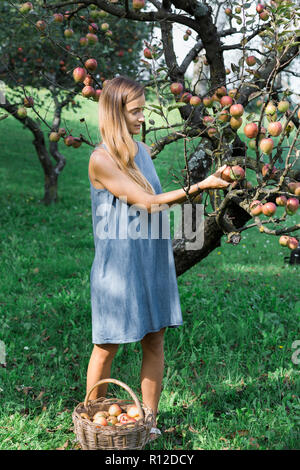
(133, 279)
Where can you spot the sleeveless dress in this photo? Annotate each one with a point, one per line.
(133, 279)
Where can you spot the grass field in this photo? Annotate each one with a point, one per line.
(229, 383)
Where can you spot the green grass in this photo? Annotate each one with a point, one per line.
(229, 379)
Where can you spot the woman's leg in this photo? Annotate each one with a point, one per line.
(152, 369)
(99, 368)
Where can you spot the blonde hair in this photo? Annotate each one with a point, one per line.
(116, 93)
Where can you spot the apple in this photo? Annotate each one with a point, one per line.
(283, 240)
(114, 409)
(207, 120)
(41, 25)
(283, 106)
(264, 15)
(269, 209)
(207, 101)
(259, 103)
(260, 8)
(97, 94)
(297, 190)
(266, 145)
(252, 144)
(54, 137)
(233, 93)
(236, 123)
(226, 101)
(104, 26)
(58, 17)
(225, 175)
(281, 200)
(83, 41)
(68, 140)
(215, 98)
(88, 81)
(195, 101)
(292, 205)
(238, 10)
(251, 60)
(211, 131)
(93, 28)
(228, 11)
(28, 102)
(176, 88)
(227, 71)
(275, 128)
(221, 91)
(88, 91)
(256, 207)
(79, 74)
(68, 33)
(236, 110)
(21, 112)
(265, 170)
(189, 32)
(270, 109)
(108, 33)
(237, 173)
(292, 243)
(147, 53)
(91, 65)
(62, 131)
(76, 142)
(224, 115)
(112, 420)
(26, 7)
(91, 38)
(185, 98)
(100, 420)
(133, 411)
(251, 130)
(138, 4)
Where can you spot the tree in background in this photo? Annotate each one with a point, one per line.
(210, 122)
(37, 54)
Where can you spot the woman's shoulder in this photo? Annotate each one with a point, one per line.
(149, 149)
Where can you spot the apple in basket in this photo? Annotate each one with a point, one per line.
(125, 419)
(133, 412)
(114, 410)
(112, 420)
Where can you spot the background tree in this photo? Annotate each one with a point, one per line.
(40, 54)
(213, 124)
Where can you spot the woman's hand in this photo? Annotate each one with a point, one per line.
(215, 180)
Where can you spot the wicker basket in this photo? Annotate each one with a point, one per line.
(92, 436)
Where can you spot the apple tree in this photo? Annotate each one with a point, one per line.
(243, 117)
(38, 55)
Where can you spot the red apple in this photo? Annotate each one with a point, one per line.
(185, 98)
(91, 38)
(207, 120)
(26, 7)
(225, 175)
(256, 207)
(228, 11)
(266, 145)
(83, 41)
(76, 142)
(195, 101)
(97, 94)
(275, 128)
(251, 130)
(251, 60)
(41, 25)
(265, 170)
(138, 4)
(147, 53)
(58, 17)
(28, 102)
(233, 93)
(224, 115)
(221, 91)
(292, 243)
(69, 140)
(211, 131)
(260, 8)
(93, 28)
(79, 74)
(88, 91)
(237, 173)
(269, 209)
(281, 200)
(68, 32)
(270, 109)
(226, 101)
(176, 88)
(133, 411)
(297, 190)
(104, 26)
(207, 101)
(236, 110)
(264, 15)
(292, 205)
(91, 65)
(62, 131)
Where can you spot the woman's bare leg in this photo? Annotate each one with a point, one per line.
(99, 368)
(152, 369)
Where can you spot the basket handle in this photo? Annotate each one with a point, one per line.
(123, 385)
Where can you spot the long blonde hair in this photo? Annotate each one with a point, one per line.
(116, 93)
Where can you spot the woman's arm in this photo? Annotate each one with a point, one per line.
(121, 185)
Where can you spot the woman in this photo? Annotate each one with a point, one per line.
(134, 294)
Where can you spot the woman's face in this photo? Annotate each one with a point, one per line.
(134, 116)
